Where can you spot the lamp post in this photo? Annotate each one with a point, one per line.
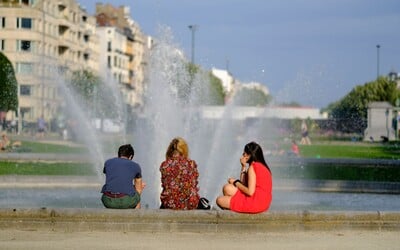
(193, 28)
(387, 123)
(377, 60)
(42, 77)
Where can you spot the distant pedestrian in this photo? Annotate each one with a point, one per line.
(14, 126)
(294, 149)
(4, 142)
(3, 124)
(305, 140)
(41, 127)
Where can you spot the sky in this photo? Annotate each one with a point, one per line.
(312, 52)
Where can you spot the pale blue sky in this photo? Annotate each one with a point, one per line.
(309, 51)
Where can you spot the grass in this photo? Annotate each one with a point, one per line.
(354, 150)
(349, 173)
(39, 147)
(29, 168)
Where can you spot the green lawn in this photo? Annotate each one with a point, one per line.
(349, 173)
(356, 150)
(40, 168)
(39, 147)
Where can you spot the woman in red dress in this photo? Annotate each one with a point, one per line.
(253, 192)
(179, 178)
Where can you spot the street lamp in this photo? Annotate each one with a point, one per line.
(377, 60)
(387, 123)
(193, 28)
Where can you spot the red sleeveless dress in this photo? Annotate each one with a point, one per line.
(260, 201)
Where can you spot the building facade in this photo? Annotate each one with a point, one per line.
(135, 49)
(46, 40)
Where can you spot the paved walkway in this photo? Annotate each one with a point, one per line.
(329, 240)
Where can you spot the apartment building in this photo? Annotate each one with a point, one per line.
(45, 40)
(117, 20)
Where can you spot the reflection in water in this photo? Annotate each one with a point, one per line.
(283, 200)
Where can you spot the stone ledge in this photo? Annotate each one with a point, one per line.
(149, 220)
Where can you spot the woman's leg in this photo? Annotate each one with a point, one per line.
(229, 190)
(224, 201)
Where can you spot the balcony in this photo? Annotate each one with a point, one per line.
(62, 5)
(62, 48)
(10, 3)
(63, 25)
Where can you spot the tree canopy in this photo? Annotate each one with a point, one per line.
(8, 85)
(251, 97)
(207, 88)
(352, 110)
(93, 93)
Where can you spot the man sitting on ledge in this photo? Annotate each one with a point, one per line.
(124, 184)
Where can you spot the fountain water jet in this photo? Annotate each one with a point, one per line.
(82, 118)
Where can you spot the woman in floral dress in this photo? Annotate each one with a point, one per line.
(179, 178)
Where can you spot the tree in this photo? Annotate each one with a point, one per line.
(8, 85)
(351, 111)
(94, 94)
(204, 87)
(246, 96)
(290, 104)
(84, 83)
(216, 91)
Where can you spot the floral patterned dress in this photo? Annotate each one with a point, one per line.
(179, 180)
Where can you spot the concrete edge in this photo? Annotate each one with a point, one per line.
(201, 221)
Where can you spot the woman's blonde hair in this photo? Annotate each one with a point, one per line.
(177, 146)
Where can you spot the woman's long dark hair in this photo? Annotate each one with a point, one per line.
(256, 153)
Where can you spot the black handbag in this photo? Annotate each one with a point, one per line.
(204, 204)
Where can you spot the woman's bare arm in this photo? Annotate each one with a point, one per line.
(250, 188)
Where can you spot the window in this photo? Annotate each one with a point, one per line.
(109, 61)
(24, 23)
(24, 45)
(2, 22)
(2, 45)
(24, 68)
(109, 46)
(25, 90)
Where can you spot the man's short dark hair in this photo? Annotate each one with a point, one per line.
(126, 150)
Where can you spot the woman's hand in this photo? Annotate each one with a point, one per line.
(231, 180)
(243, 160)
